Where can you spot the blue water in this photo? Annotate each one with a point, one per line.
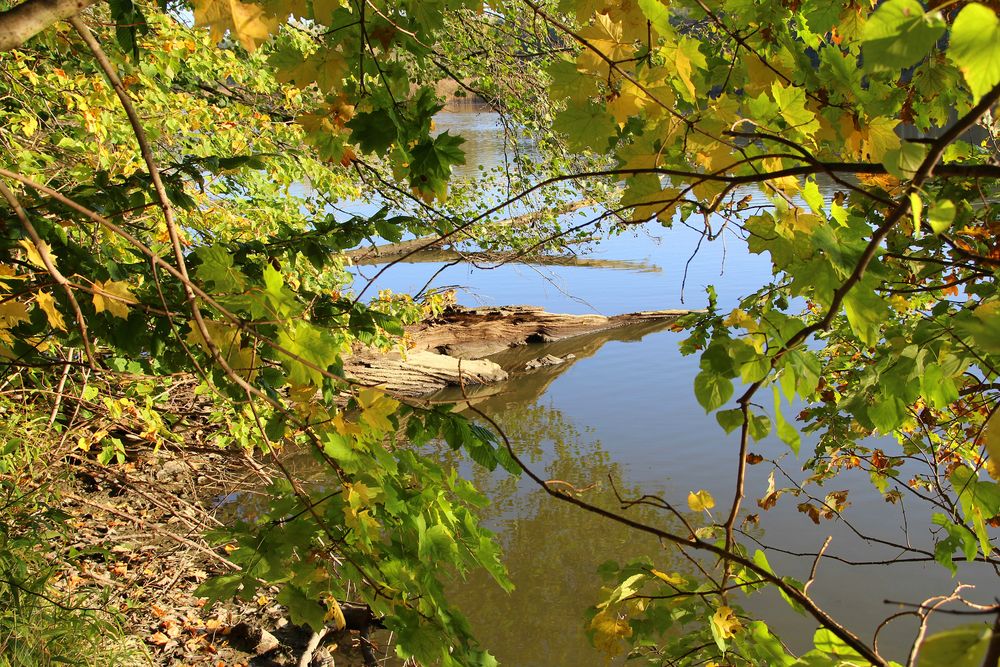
(629, 411)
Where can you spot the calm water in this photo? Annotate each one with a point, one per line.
(625, 409)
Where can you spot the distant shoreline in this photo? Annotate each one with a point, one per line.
(456, 98)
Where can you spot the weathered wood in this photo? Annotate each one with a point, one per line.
(444, 255)
(420, 372)
(380, 254)
(449, 350)
(473, 333)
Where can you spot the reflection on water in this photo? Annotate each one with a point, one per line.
(550, 547)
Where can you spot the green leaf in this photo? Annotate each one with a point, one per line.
(941, 215)
(729, 420)
(975, 47)
(788, 433)
(755, 369)
(217, 268)
(432, 161)
(904, 161)
(712, 390)
(760, 426)
(373, 131)
(766, 645)
(302, 609)
(866, 310)
(813, 197)
(219, 588)
(311, 345)
(899, 34)
(658, 15)
(958, 537)
(831, 644)
(964, 646)
(791, 101)
(887, 413)
(437, 543)
(586, 126)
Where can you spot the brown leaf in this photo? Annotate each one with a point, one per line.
(808, 508)
(158, 639)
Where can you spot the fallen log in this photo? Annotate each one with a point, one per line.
(474, 333)
(444, 255)
(419, 372)
(449, 350)
(381, 254)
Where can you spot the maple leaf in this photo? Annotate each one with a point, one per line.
(605, 36)
(11, 313)
(248, 22)
(325, 68)
(112, 296)
(34, 256)
(724, 623)
(48, 304)
(628, 101)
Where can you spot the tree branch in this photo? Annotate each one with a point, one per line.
(21, 23)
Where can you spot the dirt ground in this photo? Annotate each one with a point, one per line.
(138, 528)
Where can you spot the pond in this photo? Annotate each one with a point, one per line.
(624, 410)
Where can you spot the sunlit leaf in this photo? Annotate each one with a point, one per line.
(975, 47)
(700, 501)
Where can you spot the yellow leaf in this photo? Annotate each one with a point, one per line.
(376, 408)
(359, 494)
(48, 304)
(112, 296)
(323, 9)
(34, 256)
(248, 22)
(325, 68)
(8, 272)
(605, 36)
(672, 579)
(223, 336)
(609, 631)
(726, 623)
(628, 101)
(12, 312)
(991, 439)
(344, 427)
(700, 501)
(336, 614)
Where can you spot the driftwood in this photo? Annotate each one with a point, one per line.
(420, 371)
(444, 255)
(474, 333)
(449, 350)
(380, 254)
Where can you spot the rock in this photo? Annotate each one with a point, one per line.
(547, 360)
(172, 471)
(253, 640)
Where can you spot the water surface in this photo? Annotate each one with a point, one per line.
(624, 410)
